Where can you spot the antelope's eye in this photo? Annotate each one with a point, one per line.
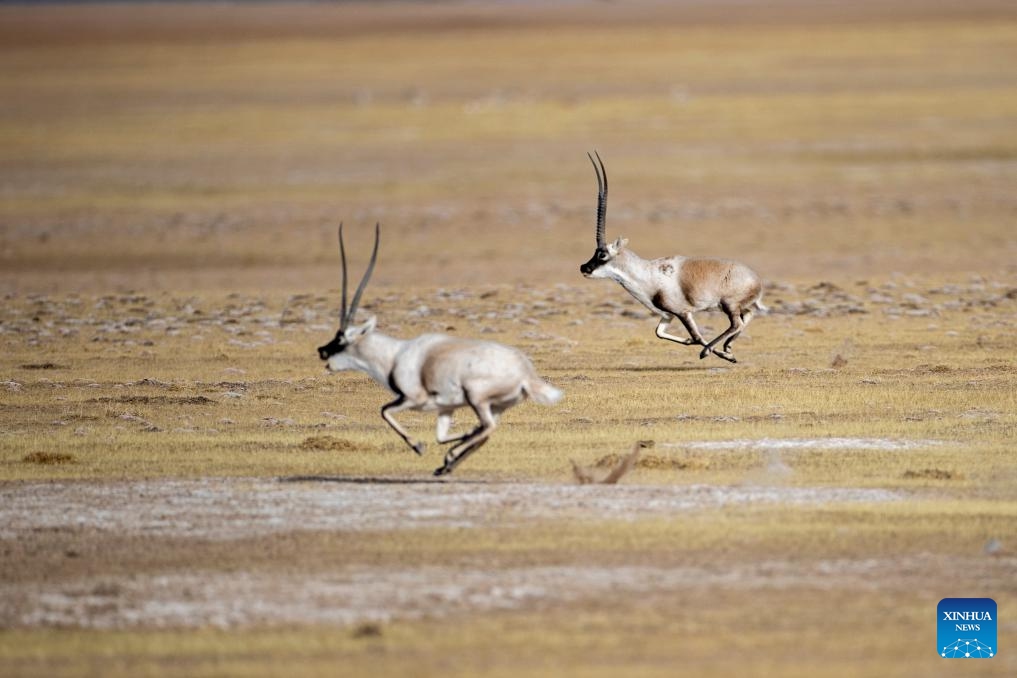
(602, 255)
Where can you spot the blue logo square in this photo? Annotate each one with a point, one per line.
(966, 628)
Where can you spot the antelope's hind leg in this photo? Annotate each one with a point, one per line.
(472, 442)
(746, 317)
(728, 335)
(461, 451)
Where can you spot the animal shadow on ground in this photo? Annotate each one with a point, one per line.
(385, 480)
(663, 368)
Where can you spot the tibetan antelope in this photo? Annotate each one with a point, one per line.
(677, 287)
(434, 372)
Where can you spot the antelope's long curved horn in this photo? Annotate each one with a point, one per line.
(601, 197)
(367, 274)
(342, 257)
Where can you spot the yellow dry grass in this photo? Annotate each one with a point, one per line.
(168, 206)
(241, 391)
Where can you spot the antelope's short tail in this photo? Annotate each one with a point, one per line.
(542, 392)
(758, 303)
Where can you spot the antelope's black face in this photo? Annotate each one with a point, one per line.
(334, 347)
(344, 352)
(600, 257)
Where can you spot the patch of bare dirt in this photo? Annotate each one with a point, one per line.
(62, 536)
(364, 596)
(75, 522)
(223, 508)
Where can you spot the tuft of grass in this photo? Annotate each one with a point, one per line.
(332, 444)
(655, 462)
(48, 458)
(931, 474)
(366, 630)
(154, 400)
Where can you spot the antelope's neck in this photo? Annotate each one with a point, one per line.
(633, 273)
(376, 354)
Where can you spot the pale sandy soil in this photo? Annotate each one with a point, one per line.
(168, 514)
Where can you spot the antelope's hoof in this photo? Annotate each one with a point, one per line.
(726, 356)
(705, 352)
(419, 448)
(442, 471)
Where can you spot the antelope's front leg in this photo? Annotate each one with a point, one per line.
(398, 405)
(662, 332)
(692, 328)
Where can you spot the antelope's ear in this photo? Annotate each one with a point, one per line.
(355, 332)
(618, 245)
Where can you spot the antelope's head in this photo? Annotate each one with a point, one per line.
(340, 353)
(605, 252)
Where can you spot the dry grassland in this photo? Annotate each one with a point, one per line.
(171, 178)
